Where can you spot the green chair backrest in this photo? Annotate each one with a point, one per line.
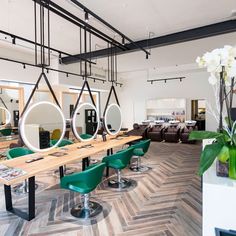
(6, 132)
(18, 152)
(64, 142)
(123, 155)
(143, 145)
(85, 136)
(91, 177)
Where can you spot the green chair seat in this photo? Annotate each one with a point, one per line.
(6, 131)
(85, 136)
(85, 181)
(80, 187)
(138, 152)
(116, 164)
(64, 142)
(17, 152)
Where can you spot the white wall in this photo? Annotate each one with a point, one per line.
(137, 91)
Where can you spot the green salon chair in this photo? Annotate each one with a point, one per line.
(140, 149)
(63, 143)
(6, 132)
(85, 136)
(119, 161)
(14, 153)
(84, 183)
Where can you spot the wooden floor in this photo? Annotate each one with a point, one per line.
(165, 201)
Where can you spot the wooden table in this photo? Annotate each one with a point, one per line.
(75, 152)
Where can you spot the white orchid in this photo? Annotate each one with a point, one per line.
(215, 60)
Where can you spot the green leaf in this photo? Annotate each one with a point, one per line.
(223, 156)
(200, 135)
(208, 156)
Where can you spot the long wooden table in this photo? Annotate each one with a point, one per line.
(75, 152)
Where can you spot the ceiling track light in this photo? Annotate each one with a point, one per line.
(86, 16)
(146, 55)
(67, 75)
(166, 79)
(13, 40)
(24, 66)
(123, 40)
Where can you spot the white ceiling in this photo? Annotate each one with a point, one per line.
(135, 18)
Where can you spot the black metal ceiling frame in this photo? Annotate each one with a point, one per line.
(123, 36)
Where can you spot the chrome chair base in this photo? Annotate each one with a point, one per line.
(85, 213)
(123, 184)
(140, 168)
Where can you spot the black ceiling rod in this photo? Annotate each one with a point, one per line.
(74, 19)
(108, 25)
(180, 78)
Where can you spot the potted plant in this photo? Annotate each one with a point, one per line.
(221, 64)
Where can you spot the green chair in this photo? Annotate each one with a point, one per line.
(14, 153)
(140, 149)
(6, 132)
(64, 142)
(85, 136)
(119, 161)
(84, 183)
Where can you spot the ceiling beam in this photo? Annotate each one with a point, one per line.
(179, 37)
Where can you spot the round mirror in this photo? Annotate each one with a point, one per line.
(85, 122)
(5, 116)
(113, 119)
(41, 123)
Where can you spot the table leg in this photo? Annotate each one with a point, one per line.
(8, 197)
(61, 171)
(85, 163)
(31, 201)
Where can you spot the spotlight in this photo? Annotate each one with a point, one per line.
(59, 58)
(151, 82)
(67, 75)
(11, 100)
(146, 55)
(24, 66)
(47, 71)
(94, 80)
(180, 79)
(165, 80)
(17, 101)
(86, 16)
(13, 40)
(123, 41)
(120, 85)
(103, 81)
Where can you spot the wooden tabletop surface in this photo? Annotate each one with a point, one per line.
(75, 152)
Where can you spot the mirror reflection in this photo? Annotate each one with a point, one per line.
(41, 125)
(5, 117)
(113, 119)
(85, 122)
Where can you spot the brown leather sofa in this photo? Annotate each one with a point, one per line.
(184, 134)
(155, 133)
(172, 134)
(139, 130)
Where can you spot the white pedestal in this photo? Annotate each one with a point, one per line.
(219, 201)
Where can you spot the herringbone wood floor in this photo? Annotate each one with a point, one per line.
(166, 201)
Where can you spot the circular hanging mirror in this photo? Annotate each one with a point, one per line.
(85, 122)
(41, 123)
(5, 116)
(113, 119)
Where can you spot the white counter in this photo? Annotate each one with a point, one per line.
(219, 202)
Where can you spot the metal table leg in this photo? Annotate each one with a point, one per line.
(31, 201)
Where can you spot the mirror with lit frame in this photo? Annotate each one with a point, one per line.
(113, 119)
(85, 122)
(41, 123)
